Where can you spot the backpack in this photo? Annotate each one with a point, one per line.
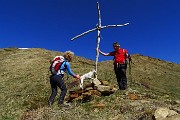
(56, 64)
(125, 55)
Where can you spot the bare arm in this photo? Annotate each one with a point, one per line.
(105, 54)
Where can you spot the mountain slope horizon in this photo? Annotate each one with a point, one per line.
(25, 83)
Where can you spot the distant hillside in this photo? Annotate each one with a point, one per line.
(24, 86)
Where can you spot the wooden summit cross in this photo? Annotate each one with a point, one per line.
(98, 28)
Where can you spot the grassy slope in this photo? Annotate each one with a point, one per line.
(24, 86)
(157, 73)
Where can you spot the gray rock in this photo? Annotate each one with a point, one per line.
(162, 113)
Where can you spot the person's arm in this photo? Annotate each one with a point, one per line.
(105, 54)
(128, 56)
(70, 71)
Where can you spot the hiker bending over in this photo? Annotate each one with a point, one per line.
(120, 64)
(57, 78)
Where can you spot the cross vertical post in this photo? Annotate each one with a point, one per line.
(98, 37)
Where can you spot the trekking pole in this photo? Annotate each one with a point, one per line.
(130, 77)
(130, 74)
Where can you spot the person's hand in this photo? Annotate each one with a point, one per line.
(77, 76)
(99, 51)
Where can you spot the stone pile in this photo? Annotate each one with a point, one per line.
(92, 89)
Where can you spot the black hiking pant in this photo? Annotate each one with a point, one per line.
(57, 81)
(120, 71)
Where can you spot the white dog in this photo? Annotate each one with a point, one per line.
(86, 76)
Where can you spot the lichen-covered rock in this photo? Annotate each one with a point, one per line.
(162, 113)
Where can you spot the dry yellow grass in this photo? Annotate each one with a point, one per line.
(25, 88)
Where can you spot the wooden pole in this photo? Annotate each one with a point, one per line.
(98, 38)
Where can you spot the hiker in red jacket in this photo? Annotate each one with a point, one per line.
(120, 64)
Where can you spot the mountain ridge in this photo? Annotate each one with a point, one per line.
(25, 85)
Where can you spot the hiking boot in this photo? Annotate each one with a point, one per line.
(50, 103)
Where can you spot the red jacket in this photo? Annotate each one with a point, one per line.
(119, 56)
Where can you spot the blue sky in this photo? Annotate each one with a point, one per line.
(154, 28)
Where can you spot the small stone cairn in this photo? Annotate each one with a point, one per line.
(92, 89)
